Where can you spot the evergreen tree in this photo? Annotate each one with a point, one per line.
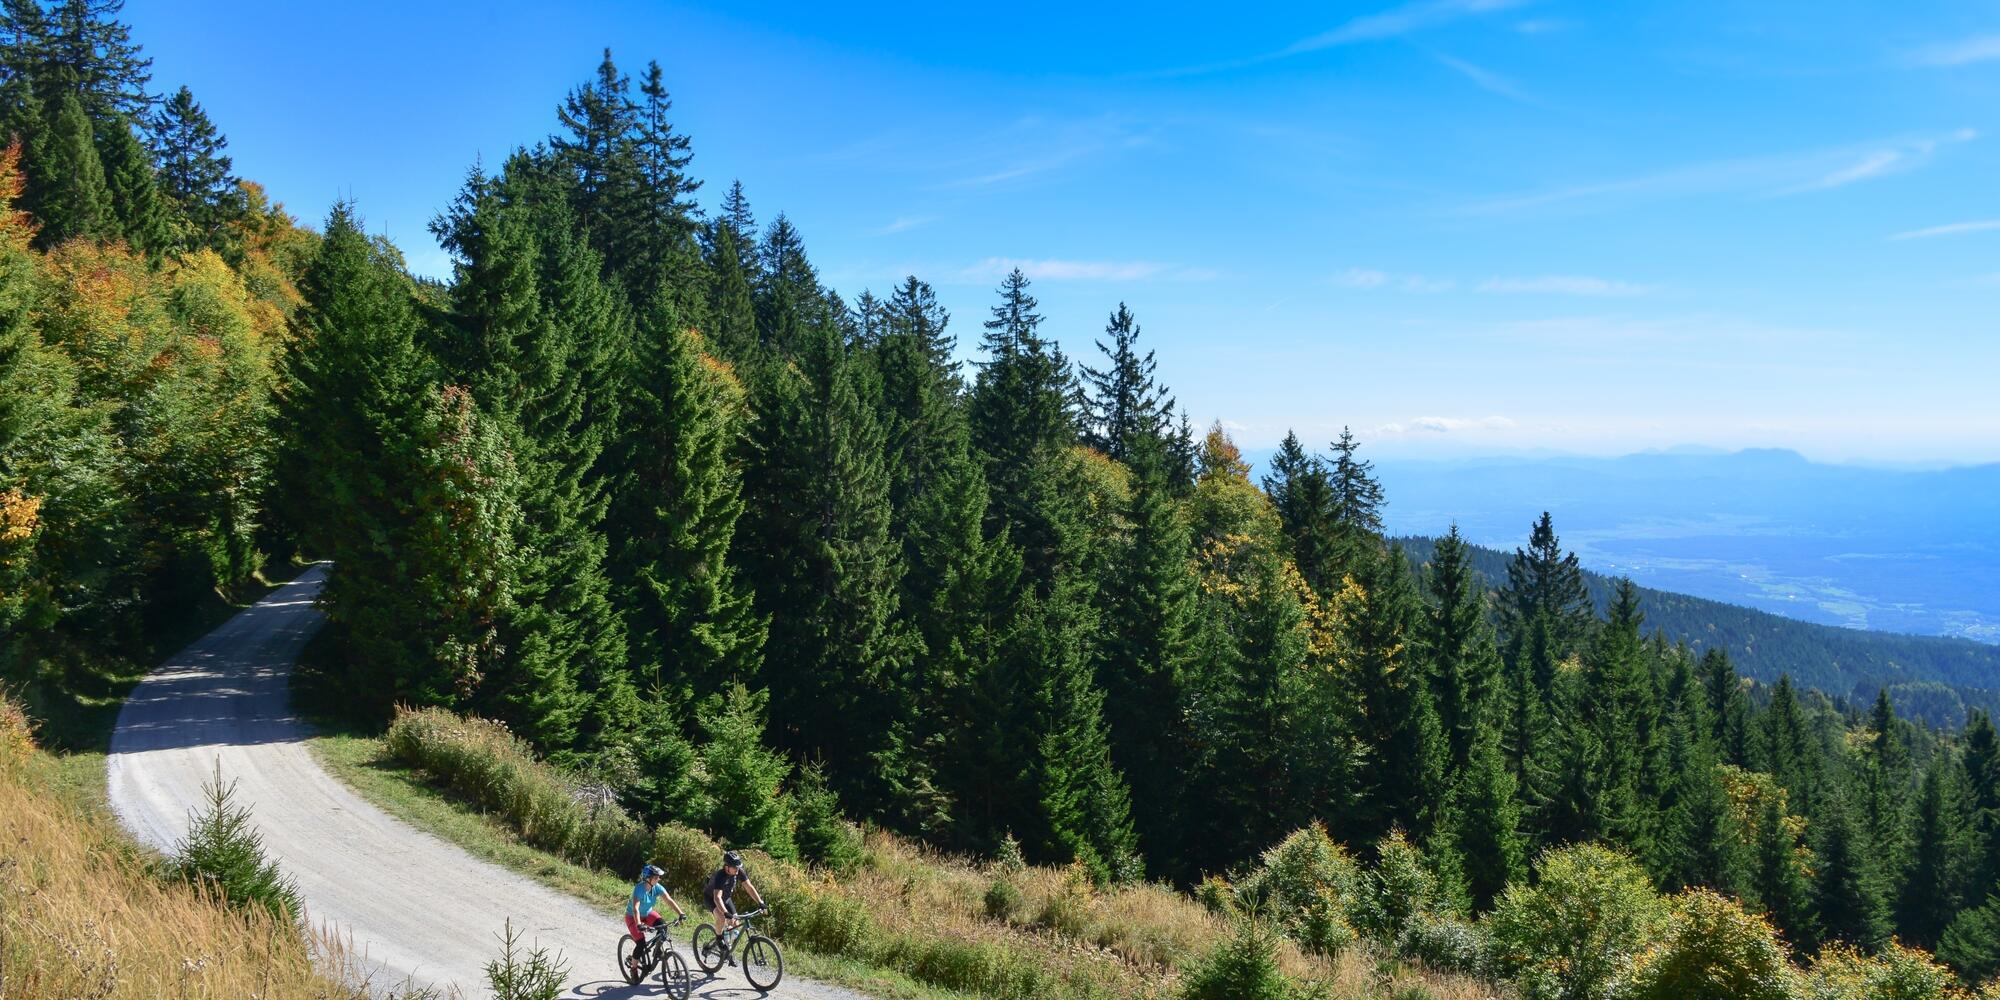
(73, 200)
(824, 565)
(193, 170)
(1126, 402)
(1847, 889)
(1616, 703)
(674, 515)
(1545, 612)
(731, 305)
(1464, 666)
(80, 47)
(1408, 754)
(1728, 707)
(1530, 745)
(1971, 945)
(1885, 792)
(787, 290)
(1302, 493)
(1783, 744)
(1022, 427)
(1981, 765)
(923, 425)
(1699, 842)
(1781, 882)
(1486, 821)
(1355, 505)
(1934, 885)
(744, 781)
(144, 218)
(1147, 646)
(1085, 805)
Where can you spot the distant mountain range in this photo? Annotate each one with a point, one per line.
(1885, 549)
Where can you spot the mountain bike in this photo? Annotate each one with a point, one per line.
(637, 958)
(763, 963)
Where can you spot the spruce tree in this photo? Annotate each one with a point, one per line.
(1404, 780)
(732, 308)
(1486, 821)
(86, 50)
(674, 515)
(1728, 707)
(1780, 881)
(1934, 884)
(787, 290)
(924, 426)
(1980, 763)
(1545, 612)
(823, 564)
(194, 173)
(1885, 791)
(1302, 492)
(1022, 426)
(1847, 887)
(73, 200)
(1616, 701)
(1355, 506)
(1464, 666)
(144, 218)
(1783, 746)
(1125, 401)
(1147, 646)
(1085, 805)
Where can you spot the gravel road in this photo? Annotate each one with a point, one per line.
(414, 907)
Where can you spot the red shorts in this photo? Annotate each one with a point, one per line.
(652, 920)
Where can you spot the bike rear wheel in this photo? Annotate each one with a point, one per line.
(704, 941)
(674, 976)
(763, 963)
(630, 951)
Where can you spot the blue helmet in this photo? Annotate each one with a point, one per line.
(651, 871)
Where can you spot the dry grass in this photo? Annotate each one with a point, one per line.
(83, 914)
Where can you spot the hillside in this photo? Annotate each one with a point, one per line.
(1843, 662)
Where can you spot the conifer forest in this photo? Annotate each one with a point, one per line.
(635, 479)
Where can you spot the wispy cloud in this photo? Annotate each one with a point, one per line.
(1951, 229)
(1564, 284)
(1368, 279)
(904, 224)
(1957, 53)
(1395, 22)
(1766, 176)
(1485, 79)
(994, 268)
(1445, 425)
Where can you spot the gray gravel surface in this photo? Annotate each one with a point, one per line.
(413, 907)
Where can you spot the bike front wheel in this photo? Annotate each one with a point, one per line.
(706, 952)
(674, 976)
(629, 953)
(763, 963)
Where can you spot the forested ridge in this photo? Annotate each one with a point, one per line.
(1929, 677)
(637, 484)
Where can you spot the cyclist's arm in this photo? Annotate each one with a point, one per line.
(676, 904)
(754, 894)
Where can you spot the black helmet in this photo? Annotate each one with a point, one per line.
(731, 859)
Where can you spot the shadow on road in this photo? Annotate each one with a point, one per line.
(708, 988)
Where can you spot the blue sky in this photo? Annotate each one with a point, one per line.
(1459, 226)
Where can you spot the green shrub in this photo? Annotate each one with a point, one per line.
(1216, 895)
(1003, 900)
(1309, 885)
(687, 856)
(1574, 934)
(1244, 967)
(745, 778)
(1401, 886)
(1446, 943)
(1715, 951)
(1896, 973)
(224, 853)
(824, 836)
(826, 923)
(1067, 911)
(1009, 858)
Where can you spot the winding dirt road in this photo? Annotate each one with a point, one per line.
(414, 907)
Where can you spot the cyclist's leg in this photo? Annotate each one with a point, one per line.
(721, 922)
(632, 927)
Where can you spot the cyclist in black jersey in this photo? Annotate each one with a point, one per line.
(721, 891)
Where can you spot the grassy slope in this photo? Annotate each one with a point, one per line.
(365, 765)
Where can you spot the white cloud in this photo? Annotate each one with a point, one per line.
(993, 268)
(905, 223)
(1564, 284)
(1365, 279)
(1445, 425)
(1952, 229)
(1959, 53)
